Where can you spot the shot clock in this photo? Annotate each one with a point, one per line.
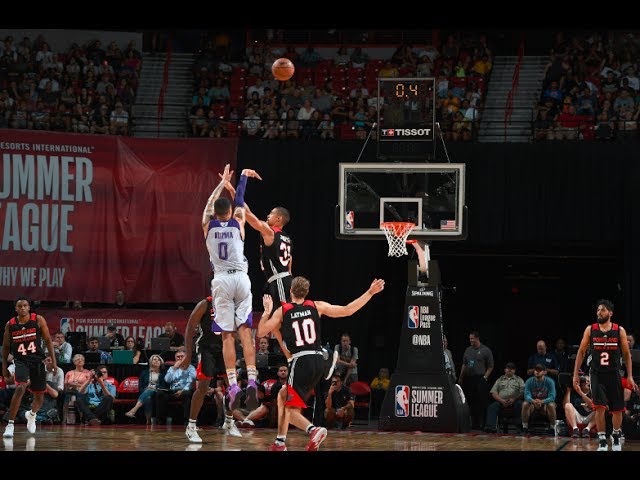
(406, 119)
(407, 113)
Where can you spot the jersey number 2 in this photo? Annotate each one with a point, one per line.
(25, 351)
(604, 358)
(306, 330)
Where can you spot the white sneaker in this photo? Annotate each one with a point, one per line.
(31, 421)
(192, 435)
(616, 445)
(334, 360)
(603, 446)
(231, 429)
(8, 431)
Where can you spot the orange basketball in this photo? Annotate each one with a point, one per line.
(283, 69)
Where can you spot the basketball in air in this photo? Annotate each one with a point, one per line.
(283, 69)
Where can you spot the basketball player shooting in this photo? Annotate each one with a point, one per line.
(224, 231)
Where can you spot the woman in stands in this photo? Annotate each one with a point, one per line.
(151, 380)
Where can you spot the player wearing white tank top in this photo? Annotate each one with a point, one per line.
(231, 288)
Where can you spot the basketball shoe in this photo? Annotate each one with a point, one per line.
(277, 448)
(8, 431)
(235, 397)
(602, 444)
(231, 429)
(192, 434)
(31, 421)
(317, 434)
(616, 445)
(252, 395)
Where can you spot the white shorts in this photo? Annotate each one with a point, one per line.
(581, 419)
(232, 300)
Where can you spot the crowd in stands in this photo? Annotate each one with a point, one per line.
(85, 89)
(330, 98)
(591, 88)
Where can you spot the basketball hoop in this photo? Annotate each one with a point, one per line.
(397, 233)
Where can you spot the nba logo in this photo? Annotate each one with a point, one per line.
(412, 317)
(67, 325)
(348, 220)
(402, 400)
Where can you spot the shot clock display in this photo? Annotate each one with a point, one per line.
(407, 114)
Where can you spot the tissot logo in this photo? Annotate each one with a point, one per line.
(406, 132)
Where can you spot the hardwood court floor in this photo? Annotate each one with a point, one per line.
(127, 438)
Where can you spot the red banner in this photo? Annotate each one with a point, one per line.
(82, 216)
(146, 324)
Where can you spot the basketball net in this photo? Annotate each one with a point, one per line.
(397, 233)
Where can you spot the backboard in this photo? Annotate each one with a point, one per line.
(429, 195)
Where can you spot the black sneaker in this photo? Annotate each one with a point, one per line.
(586, 433)
(576, 433)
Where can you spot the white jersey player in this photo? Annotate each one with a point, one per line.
(231, 288)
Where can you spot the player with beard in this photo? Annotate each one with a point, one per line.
(607, 341)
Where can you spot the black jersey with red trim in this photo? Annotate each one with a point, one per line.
(206, 337)
(301, 327)
(605, 348)
(276, 257)
(26, 339)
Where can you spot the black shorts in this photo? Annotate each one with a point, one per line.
(606, 388)
(34, 371)
(304, 374)
(280, 290)
(211, 363)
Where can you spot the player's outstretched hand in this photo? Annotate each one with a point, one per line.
(227, 173)
(251, 173)
(267, 303)
(228, 186)
(376, 286)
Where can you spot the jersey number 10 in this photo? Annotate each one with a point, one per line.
(306, 330)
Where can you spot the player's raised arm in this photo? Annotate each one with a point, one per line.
(208, 208)
(267, 324)
(337, 311)
(239, 212)
(260, 225)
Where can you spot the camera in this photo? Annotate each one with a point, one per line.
(98, 372)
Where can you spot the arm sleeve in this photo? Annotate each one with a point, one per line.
(242, 186)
